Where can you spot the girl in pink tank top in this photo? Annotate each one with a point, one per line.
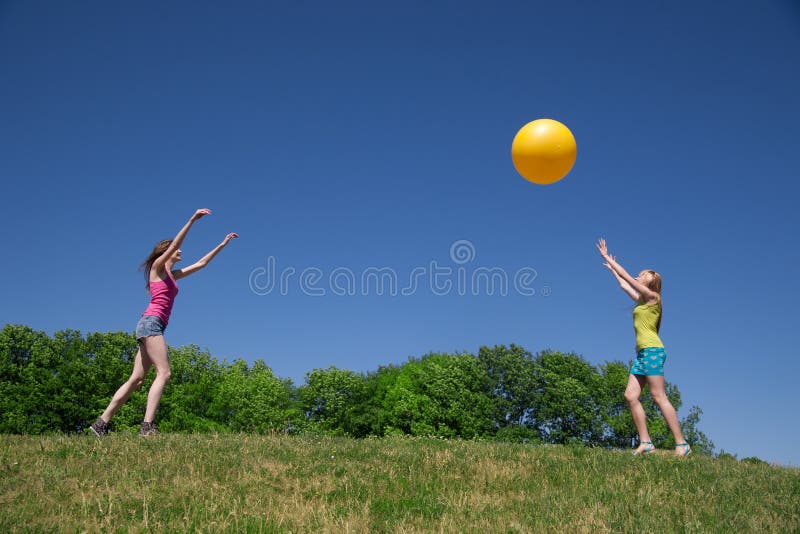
(162, 296)
(160, 278)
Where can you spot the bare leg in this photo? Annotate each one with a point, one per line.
(659, 395)
(141, 364)
(632, 393)
(156, 350)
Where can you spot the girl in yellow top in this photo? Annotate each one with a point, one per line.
(648, 368)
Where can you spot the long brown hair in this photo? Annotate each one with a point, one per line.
(655, 285)
(158, 250)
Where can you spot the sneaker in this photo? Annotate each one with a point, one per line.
(100, 427)
(148, 429)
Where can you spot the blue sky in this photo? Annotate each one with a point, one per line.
(345, 137)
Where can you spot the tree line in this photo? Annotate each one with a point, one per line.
(506, 393)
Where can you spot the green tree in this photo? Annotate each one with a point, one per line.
(330, 399)
(60, 383)
(254, 399)
(109, 360)
(511, 385)
(370, 417)
(440, 395)
(26, 362)
(619, 428)
(188, 401)
(699, 440)
(567, 406)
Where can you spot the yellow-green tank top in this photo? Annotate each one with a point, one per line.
(645, 324)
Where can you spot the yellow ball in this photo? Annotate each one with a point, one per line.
(543, 151)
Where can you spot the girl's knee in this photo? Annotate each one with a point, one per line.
(661, 400)
(631, 396)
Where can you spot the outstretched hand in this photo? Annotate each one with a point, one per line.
(201, 213)
(601, 246)
(232, 235)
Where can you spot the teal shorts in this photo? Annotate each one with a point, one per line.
(649, 362)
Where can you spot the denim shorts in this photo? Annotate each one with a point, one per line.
(149, 325)
(649, 362)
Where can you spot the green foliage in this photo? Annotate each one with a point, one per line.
(440, 395)
(517, 434)
(59, 383)
(26, 371)
(331, 398)
(700, 442)
(511, 385)
(567, 407)
(616, 417)
(62, 383)
(371, 415)
(187, 404)
(254, 399)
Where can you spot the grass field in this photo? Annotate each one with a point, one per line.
(249, 483)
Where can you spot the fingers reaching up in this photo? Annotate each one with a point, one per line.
(202, 212)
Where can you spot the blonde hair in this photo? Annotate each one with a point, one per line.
(655, 285)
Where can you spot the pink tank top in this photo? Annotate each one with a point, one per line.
(162, 296)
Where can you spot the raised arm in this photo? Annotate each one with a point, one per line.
(634, 286)
(158, 264)
(202, 262)
(626, 287)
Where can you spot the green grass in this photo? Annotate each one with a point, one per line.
(249, 483)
